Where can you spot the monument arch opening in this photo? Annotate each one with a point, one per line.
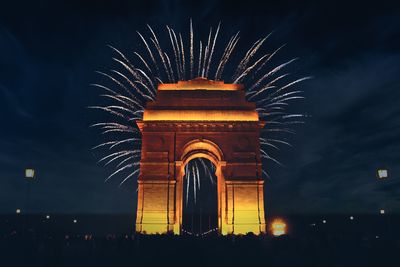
(200, 198)
(200, 119)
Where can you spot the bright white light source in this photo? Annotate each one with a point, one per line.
(382, 174)
(351, 218)
(29, 173)
(382, 211)
(323, 221)
(17, 211)
(75, 221)
(47, 217)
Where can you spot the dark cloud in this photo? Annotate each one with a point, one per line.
(48, 53)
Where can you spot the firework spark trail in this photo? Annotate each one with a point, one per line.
(187, 182)
(198, 174)
(175, 53)
(129, 176)
(253, 94)
(150, 53)
(121, 169)
(249, 55)
(178, 51)
(226, 55)
(117, 157)
(199, 68)
(118, 153)
(191, 50)
(267, 156)
(127, 159)
(133, 101)
(194, 184)
(265, 62)
(207, 170)
(122, 101)
(170, 68)
(143, 62)
(272, 72)
(221, 61)
(275, 140)
(249, 69)
(132, 91)
(144, 95)
(110, 111)
(147, 80)
(206, 53)
(183, 56)
(124, 141)
(212, 49)
(128, 68)
(160, 52)
(118, 83)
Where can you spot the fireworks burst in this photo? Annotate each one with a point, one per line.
(129, 87)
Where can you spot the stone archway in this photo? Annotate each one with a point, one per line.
(201, 148)
(208, 119)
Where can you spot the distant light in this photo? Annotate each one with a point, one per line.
(313, 224)
(278, 227)
(351, 218)
(17, 211)
(75, 220)
(382, 211)
(323, 221)
(29, 173)
(382, 174)
(47, 217)
(377, 236)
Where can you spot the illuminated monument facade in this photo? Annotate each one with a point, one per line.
(208, 119)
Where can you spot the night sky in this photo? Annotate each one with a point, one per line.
(49, 52)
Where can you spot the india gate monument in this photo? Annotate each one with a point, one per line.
(200, 118)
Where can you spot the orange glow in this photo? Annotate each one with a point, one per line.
(278, 227)
(200, 115)
(200, 84)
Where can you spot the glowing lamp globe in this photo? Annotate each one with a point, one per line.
(278, 227)
(29, 173)
(382, 174)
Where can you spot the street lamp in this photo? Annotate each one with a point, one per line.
(29, 176)
(382, 173)
(18, 211)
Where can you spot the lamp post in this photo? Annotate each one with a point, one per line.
(29, 176)
(382, 174)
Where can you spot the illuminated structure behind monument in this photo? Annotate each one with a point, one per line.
(200, 118)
